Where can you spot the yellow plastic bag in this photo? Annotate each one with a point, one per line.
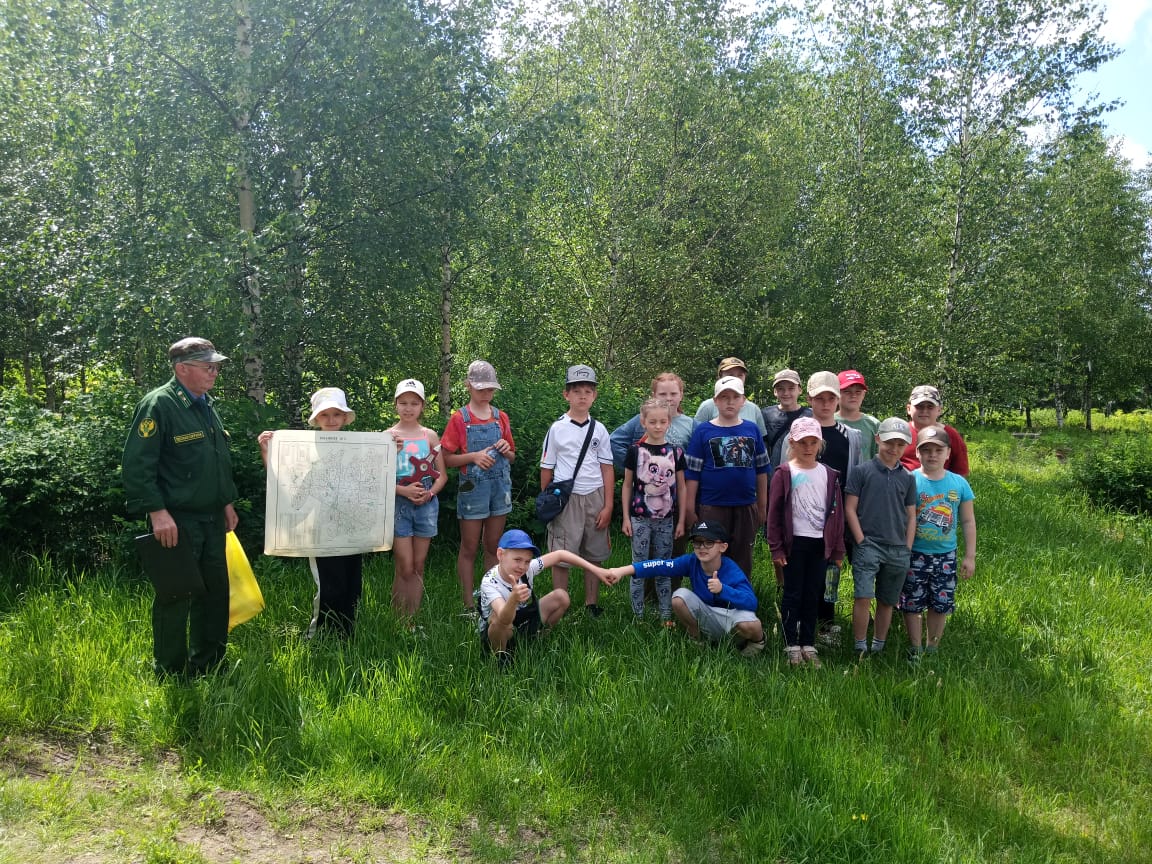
(244, 598)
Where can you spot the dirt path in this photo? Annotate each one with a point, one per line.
(89, 802)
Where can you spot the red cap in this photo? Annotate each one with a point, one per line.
(850, 377)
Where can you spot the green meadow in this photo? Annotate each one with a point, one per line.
(1028, 739)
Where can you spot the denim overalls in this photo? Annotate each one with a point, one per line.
(484, 492)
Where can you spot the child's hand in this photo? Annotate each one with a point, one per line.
(626, 527)
(607, 576)
(521, 593)
(714, 584)
(263, 439)
(679, 532)
(968, 567)
(604, 518)
(416, 493)
(780, 560)
(483, 460)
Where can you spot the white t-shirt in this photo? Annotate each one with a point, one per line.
(562, 448)
(809, 495)
(492, 585)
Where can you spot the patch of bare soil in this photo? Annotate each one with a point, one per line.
(217, 826)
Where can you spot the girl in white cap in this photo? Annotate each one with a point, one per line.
(419, 476)
(339, 578)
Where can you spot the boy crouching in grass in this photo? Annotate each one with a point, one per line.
(509, 607)
(720, 600)
(944, 501)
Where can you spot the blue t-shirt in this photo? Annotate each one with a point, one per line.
(725, 461)
(938, 511)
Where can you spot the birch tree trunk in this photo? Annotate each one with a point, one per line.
(246, 200)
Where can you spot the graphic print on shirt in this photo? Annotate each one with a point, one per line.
(656, 479)
(732, 451)
(936, 515)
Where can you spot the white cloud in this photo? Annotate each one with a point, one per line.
(1121, 18)
(1137, 154)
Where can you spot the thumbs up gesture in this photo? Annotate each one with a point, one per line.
(714, 584)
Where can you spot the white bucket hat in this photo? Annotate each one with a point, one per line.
(330, 397)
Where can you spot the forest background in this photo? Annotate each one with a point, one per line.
(350, 193)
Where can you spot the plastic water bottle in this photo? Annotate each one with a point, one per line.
(831, 583)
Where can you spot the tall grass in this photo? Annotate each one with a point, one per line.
(1028, 740)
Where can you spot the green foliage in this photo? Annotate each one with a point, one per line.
(60, 488)
(1117, 472)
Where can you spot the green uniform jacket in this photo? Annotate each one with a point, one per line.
(176, 455)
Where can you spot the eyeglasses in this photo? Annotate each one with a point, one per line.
(214, 368)
(704, 544)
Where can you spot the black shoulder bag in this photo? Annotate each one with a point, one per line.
(553, 499)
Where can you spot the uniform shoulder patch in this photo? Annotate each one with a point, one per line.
(147, 428)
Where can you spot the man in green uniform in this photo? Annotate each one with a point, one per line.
(178, 471)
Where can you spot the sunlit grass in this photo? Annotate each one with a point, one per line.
(1027, 739)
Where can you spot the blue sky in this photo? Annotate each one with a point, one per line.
(1128, 77)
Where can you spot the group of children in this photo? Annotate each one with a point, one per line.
(842, 488)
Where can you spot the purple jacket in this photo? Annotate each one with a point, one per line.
(780, 514)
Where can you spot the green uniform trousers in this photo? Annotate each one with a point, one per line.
(197, 623)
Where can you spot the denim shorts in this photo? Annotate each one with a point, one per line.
(878, 570)
(490, 496)
(413, 521)
(931, 583)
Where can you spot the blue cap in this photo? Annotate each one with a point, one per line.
(517, 539)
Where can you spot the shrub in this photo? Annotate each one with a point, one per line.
(60, 488)
(1117, 472)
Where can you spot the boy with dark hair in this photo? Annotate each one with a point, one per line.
(778, 418)
(720, 600)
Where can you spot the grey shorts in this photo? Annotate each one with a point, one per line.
(715, 622)
(575, 528)
(879, 570)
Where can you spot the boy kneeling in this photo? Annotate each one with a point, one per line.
(720, 600)
(509, 607)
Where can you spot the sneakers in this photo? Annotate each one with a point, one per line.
(795, 655)
(915, 655)
(811, 656)
(593, 611)
(752, 649)
(668, 624)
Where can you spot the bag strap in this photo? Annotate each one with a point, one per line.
(584, 449)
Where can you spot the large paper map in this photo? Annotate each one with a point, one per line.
(330, 493)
